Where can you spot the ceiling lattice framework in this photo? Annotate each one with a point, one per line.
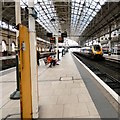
(73, 16)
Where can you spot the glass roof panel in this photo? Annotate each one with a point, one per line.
(82, 12)
(86, 12)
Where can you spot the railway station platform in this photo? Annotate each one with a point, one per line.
(66, 90)
(112, 57)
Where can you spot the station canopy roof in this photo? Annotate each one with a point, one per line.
(72, 16)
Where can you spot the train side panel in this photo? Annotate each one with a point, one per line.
(93, 52)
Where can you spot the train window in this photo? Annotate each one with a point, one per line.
(4, 47)
(96, 47)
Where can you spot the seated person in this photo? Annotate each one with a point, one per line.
(52, 61)
(49, 60)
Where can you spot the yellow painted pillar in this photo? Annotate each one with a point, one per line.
(25, 74)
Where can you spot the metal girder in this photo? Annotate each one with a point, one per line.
(8, 12)
(9, 7)
(69, 15)
(104, 18)
(63, 12)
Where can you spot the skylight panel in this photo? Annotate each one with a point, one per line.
(87, 3)
(102, 2)
(77, 17)
(93, 3)
(50, 11)
(94, 13)
(77, 1)
(45, 17)
(76, 4)
(39, 0)
(47, 12)
(82, 12)
(75, 11)
(86, 12)
(98, 6)
(44, 7)
(46, 1)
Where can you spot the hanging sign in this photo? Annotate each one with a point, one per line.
(52, 40)
(60, 39)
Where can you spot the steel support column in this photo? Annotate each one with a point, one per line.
(1, 95)
(33, 60)
(109, 42)
(16, 94)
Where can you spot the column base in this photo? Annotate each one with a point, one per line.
(15, 95)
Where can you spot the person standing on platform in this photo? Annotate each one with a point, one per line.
(38, 57)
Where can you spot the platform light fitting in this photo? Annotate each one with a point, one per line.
(52, 20)
(34, 13)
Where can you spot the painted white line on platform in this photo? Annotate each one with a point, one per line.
(12, 68)
(113, 93)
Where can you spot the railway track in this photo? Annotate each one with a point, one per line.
(108, 71)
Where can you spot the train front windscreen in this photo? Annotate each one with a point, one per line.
(96, 47)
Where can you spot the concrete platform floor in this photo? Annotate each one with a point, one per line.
(62, 92)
